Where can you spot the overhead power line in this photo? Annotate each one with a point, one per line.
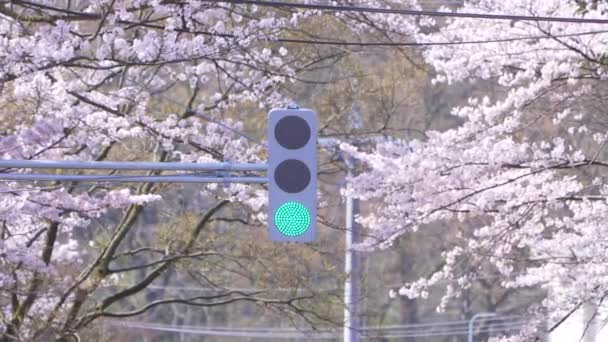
(422, 44)
(337, 8)
(282, 333)
(435, 326)
(388, 44)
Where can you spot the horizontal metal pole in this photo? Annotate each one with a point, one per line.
(118, 165)
(23, 177)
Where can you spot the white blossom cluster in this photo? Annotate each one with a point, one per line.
(524, 170)
(80, 79)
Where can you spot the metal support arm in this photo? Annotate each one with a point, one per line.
(222, 170)
(118, 165)
(23, 177)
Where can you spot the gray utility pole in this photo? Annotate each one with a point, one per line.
(351, 266)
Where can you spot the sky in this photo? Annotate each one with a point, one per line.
(572, 329)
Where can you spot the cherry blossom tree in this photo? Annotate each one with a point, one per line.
(109, 80)
(525, 169)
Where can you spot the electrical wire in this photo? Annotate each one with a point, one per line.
(377, 44)
(314, 334)
(274, 333)
(210, 332)
(391, 44)
(424, 44)
(437, 326)
(337, 8)
(431, 325)
(462, 331)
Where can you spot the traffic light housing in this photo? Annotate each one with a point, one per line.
(292, 175)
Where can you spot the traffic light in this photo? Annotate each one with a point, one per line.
(292, 174)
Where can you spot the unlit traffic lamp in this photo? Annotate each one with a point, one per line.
(292, 174)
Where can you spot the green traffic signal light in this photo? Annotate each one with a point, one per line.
(292, 219)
